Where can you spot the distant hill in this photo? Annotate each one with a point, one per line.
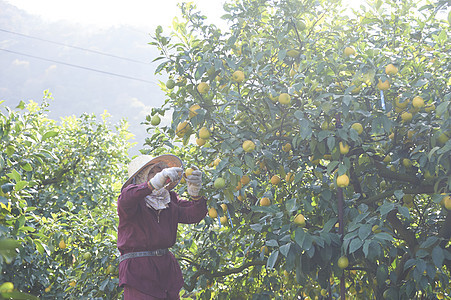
(78, 89)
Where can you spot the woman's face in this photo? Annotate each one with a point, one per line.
(156, 168)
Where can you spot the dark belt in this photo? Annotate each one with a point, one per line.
(158, 252)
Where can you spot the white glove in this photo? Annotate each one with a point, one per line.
(165, 176)
(194, 182)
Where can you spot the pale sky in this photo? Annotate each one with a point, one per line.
(105, 13)
(145, 14)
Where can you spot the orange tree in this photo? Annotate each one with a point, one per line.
(341, 120)
(59, 184)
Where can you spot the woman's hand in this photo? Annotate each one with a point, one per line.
(165, 176)
(194, 182)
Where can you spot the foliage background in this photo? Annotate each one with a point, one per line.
(59, 181)
(392, 225)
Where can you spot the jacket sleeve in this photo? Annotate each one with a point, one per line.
(128, 201)
(191, 212)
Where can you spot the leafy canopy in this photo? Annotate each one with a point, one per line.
(326, 94)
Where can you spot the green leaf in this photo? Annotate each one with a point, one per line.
(14, 175)
(27, 229)
(20, 185)
(409, 263)
(355, 245)
(103, 284)
(329, 225)
(21, 105)
(7, 187)
(331, 166)
(49, 134)
(282, 54)
(19, 296)
(272, 209)
(342, 169)
(290, 205)
(441, 108)
(437, 198)
(438, 256)
(305, 130)
(347, 99)
(272, 259)
(27, 167)
(382, 273)
(432, 152)
(364, 231)
(229, 195)
(420, 82)
(386, 208)
(249, 160)
(284, 249)
(39, 246)
(429, 242)
(257, 227)
(298, 176)
(299, 236)
(236, 171)
(323, 134)
(331, 143)
(9, 244)
(272, 243)
(404, 211)
(383, 236)
(366, 246)
(399, 194)
(308, 242)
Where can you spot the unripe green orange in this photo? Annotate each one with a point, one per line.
(219, 183)
(344, 148)
(238, 76)
(212, 213)
(248, 146)
(383, 85)
(299, 220)
(223, 220)
(390, 69)
(155, 120)
(275, 179)
(203, 87)
(418, 102)
(343, 262)
(193, 110)
(357, 127)
(204, 133)
(170, 84)
(406, 116)
(343, 180)
(349, 51)
(265, 201)
(284, 98)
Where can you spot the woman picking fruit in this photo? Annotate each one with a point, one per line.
(149, 213)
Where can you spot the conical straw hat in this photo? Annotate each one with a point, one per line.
(141, 162)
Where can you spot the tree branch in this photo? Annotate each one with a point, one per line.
(406, 234)
(386, 173)
(59, 176)
(421, 189)
(203, 271)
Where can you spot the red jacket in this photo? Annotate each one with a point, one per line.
(139, 230)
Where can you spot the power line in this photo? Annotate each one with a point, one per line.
(75, 47)
(77, 66)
